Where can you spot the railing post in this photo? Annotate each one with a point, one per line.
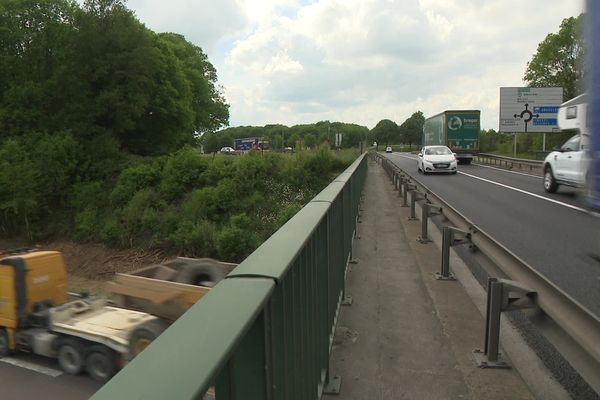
(414, 196)
(502, 295)
(405, 188)
(448, 240)
(427, 210)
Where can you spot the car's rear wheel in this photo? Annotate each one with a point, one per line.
(550, 184)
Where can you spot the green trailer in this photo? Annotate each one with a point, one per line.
(457, 129)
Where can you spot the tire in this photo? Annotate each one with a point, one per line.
(101, 363)
(71, 357)
(201, 273)
(550, 184)
(4, 346)
(144, 334)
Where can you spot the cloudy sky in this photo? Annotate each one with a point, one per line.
(361, 61)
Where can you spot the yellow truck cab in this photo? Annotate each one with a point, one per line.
(29, 283)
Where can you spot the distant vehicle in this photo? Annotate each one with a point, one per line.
(436, 159)
(251, 143)
(569, 164)
(388, 149)
(456, 129)
(288, 150)
(227, 150)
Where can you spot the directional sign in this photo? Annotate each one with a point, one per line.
(524, 109)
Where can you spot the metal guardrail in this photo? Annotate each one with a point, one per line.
(568, 325)
(266, 331)
(509, 162)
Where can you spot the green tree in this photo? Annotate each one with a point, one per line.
(384, 133)
(310, 140)
(411, 130)
(559, 59)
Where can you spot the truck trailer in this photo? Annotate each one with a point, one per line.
(457, 129)
(250, 143)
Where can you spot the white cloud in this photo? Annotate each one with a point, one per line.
(361, 60)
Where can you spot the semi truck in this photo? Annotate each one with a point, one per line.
(250, 143)
(37, 315)
(457, 129)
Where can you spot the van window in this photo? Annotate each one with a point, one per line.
(572, 144)
(572, 112)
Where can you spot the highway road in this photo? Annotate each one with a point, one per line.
(551, 232)
(29, 377)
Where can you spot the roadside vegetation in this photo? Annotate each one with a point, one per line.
(101, 126)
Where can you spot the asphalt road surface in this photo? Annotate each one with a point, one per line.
(551, 232)
(29, 377)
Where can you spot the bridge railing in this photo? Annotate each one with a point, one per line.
(266, 331)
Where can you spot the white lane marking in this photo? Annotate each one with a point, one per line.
(519, 190)
(526, 192)
(508, 171)
(31, 366)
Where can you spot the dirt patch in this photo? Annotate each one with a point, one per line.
(90, 265)
(99, 262)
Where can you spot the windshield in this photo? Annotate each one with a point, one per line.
(437, 151)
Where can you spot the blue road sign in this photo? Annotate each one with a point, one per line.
(546, 110)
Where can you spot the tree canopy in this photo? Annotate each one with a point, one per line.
(412, 129)
(385, 132)
(279, 136)
(95, 70)
(559, 59)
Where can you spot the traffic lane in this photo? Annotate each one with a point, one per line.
(529, 183)
(19, 383)
(557, 241)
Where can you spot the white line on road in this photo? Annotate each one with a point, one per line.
(31, 366)
(525, 192)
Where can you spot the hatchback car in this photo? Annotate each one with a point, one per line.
(388, 149)
(436, 159)
(227, 150)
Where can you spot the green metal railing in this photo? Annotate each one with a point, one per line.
(266, 331)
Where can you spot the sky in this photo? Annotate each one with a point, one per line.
(361, 61)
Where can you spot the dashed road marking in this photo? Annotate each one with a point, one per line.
(31, 366)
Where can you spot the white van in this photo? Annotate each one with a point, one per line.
(569, 164)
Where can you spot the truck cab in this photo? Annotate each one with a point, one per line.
(29, 283)
(569, 164)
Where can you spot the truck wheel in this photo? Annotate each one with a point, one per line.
(550, 184)
(4, 347)
(203, 273)
(144, 334)
(70, 356)
(101, 363)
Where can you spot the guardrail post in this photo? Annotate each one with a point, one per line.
(502, 295)
(400, 182)
(427, 210)
(405, 188)
(414, 196)
(448, 240)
